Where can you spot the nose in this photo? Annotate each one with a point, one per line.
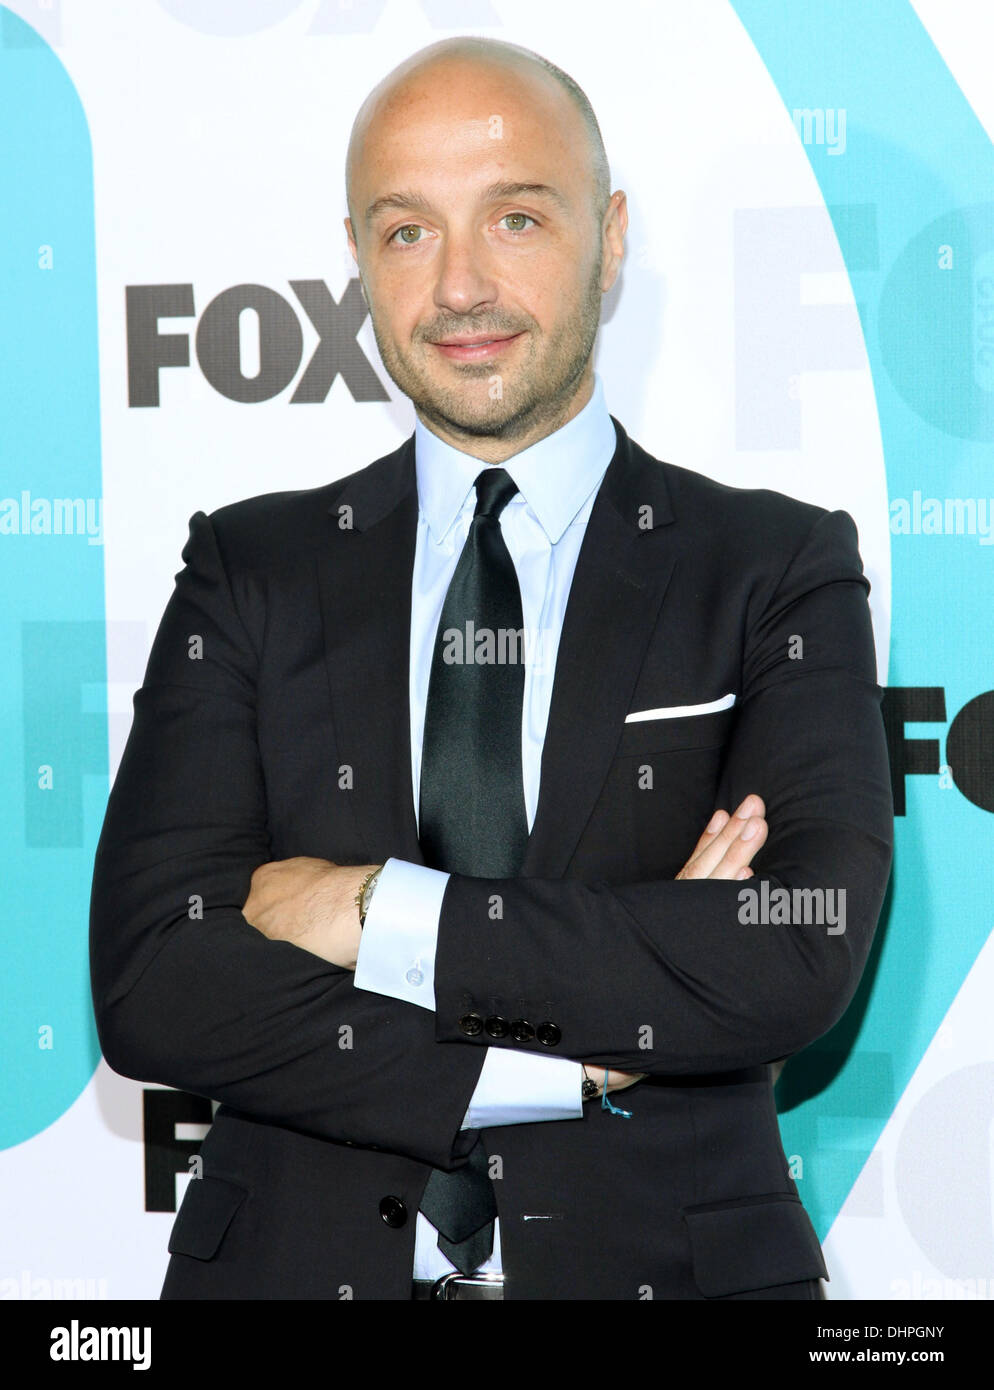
(465, 275)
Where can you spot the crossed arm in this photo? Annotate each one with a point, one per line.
(312, 902)
(188, 993)
(672, 977)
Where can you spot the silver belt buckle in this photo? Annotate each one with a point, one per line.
(455, 1287)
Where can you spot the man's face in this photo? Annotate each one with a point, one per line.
(479, 249)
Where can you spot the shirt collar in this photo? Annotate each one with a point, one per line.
(555, 475)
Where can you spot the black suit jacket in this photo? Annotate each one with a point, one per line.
(273, 721)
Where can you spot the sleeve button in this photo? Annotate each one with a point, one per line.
(393, 1212)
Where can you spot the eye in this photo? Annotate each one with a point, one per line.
(401, 232)
(520, 217)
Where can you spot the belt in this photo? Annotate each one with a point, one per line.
(460, 1286)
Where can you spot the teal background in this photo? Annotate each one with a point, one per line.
(52, 627)
(919, 158)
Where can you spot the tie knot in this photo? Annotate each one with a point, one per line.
(494, 489)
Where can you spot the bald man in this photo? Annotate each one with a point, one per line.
(501, 753)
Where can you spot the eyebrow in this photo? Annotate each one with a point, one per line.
(495, 193)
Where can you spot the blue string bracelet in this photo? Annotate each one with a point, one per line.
(614, 1109)
(605, 1103)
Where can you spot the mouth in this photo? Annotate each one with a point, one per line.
(475, 348)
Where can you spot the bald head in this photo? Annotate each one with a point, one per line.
(521, 75)
(485, 234)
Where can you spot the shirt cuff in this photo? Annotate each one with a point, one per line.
(396, 953)
(518, 1088)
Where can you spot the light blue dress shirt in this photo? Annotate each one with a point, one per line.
(543, 526)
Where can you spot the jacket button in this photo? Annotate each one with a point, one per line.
(471, 1025)
(393, 1211)
(548, 1034)
(497, 1027)
(521, 1030)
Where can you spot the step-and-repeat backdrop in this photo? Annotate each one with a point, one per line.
(807, 305)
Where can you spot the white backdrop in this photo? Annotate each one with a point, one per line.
(218, 160)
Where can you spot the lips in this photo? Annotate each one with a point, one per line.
(475, 342)
(476, 347)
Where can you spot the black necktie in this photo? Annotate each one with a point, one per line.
(472, 812)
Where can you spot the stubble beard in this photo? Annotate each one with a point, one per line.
(537, 392)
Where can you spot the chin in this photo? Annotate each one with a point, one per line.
(484, 417)
(495, 420)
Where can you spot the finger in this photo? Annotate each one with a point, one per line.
(751, 805)
(717, 822)
(713, 852)
(740, 851)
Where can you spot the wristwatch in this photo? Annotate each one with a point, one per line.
(365, 894)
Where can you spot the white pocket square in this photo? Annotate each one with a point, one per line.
(678, 711)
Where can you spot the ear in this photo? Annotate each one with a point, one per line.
(613, 249)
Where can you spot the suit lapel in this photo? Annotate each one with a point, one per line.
(364, 578)
(621, 576)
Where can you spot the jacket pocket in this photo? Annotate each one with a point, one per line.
(752, 1243)
(206, 1212)
(673, 735)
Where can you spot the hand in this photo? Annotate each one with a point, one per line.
(310, 903)
(729, 843)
